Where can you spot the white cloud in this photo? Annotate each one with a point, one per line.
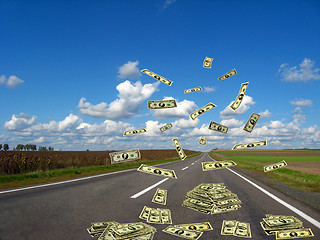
(209, 89)
(167, 3)
(297, 110)
(183, 109)
(129, 70)
(301, 102)
(20, 122)
(126, 106)
(265, 114)
(39, 140)
(13, 81)
(228, 113)
(304, 73)
(232, 123)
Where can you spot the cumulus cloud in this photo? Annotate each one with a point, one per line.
(265, 114)
(228, 113)
(127, 105)
(232, 123)
(209, 89)
(301, 102)
(12, 82)
(129, 70)
(305, 72)
(20, 122)
(183, 109)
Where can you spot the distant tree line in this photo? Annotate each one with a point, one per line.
(5, 147)
(26, 147)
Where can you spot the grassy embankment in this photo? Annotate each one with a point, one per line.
(26, 179)
(295, 179)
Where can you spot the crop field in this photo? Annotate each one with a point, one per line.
(302, 171)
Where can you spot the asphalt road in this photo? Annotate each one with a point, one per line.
(65, 211)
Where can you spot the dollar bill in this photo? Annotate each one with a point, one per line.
(124, 156)
(203, 141)
(275, 166)
(242, 230)
(165, 216)
(202, 110)
(145, 213)
(136, 131)
(228, 227)
(250, 145)
(218, 127)
(203, 226)
(183, 233)
(207, 166)
(228, 74)
(157, 171)
(251, 122)
(128, 228)
(166, 127)
(160, 196)
(207, 62)
(273, 222)
(106, 235)
(193, 90)
(162, 104)
(129, 231)
(154, 216)
(228, 202)
(294, 233)
(157, 77)
(179, 149)
(236, 104)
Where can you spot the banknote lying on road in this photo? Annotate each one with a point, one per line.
(207, 62)
(207, 166)
(250, 145)
(179, 149)
(236, 228)
(228, 74)
(160, 196)
(275, 166)
(182, 233)
(157, 77)
(203, 141)
(166, 127)
(136, 131)
(251, 122)
(236, 104)
(203, 226)
(119, 231)
(124, 156)
(211, 198)
(284, 227)
(218, 127)
(156, 215)
(193, 90)
(157, 171)
(162, 104)
(202, 110)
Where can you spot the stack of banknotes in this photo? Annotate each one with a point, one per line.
(119, 231)
(284, 227)
(156, 215)
(211, 198)
(236, 228)
(188, 231)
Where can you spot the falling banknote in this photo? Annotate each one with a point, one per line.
(162, 104)
(183, 233)
(203, 141)
(192, 90)
(251, 122)
(125, 156)
(179, 149)
(236, 104)
(166, 127)
(207, 166)
(136, 131)
(157, 171)
(275, 166)
(228, 74)
(218, 127)
(157, 77)
(250, 145)
(207, 62)
(202, 110)
(160, 196)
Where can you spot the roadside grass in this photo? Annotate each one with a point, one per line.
(26, 179)
(236, 152)
(294, 179)
(271, 159)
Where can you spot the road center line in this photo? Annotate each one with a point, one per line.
(184, 168)
(148, 188)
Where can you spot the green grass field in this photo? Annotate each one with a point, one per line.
(20, 180)
(271, 159)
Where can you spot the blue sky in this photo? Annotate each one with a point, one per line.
(70, 72)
